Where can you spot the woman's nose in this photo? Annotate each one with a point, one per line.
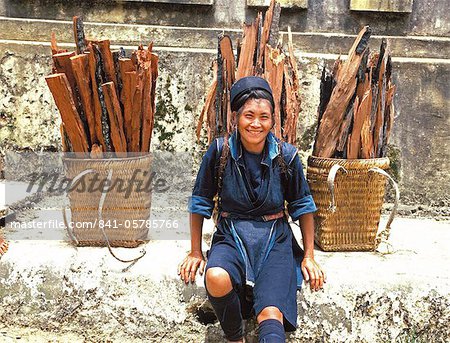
(256, 123)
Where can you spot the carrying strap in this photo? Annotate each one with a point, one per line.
(100, 217)
(331, 176)
(383, 235)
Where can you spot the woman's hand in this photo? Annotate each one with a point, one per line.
(313, 273)
(193, 261)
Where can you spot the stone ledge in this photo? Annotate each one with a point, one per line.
(203, 38)
(175, 2)
(401, 6)
(369, 297)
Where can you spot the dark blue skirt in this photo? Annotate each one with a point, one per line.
(259, 258)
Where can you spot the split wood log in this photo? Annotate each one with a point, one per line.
(107, 61)
(247, 50)
(116, 54)
(80, 67)
(100, 79)
(274, 33)
(62, 64)
(147, 111)
(389, 118)
(341, 147)
(78, 32)
(366, 132)
(290, 108)
(209, 103)
(54, 48)
(136, 113)
(291, 85)
(125, 66)
(274, 75)
(381, 100)
(228, 65)
(129, 87)
(326, 88)
(354, 138)
(265, 33)
(97, 107)
(344, 90)
(154, 68)
(54, 44)
(60, 89)
(226, 49)
(115, 117)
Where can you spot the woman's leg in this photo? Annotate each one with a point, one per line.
(225, 302)
(271, 329)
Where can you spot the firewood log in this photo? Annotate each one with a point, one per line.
(62, 64)
(344, 90)
(80, 67)
(265, 34)
(247, 50)
(115, 117)
(147, 111)
(274, 76)
(136, 116)
(97, 107)
(60, 89)
(78, 32)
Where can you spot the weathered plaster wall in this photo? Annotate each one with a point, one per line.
(427, 17)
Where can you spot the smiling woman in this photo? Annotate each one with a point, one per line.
(254, 123)
(255, 266)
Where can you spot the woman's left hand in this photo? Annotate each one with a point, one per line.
(313, 273)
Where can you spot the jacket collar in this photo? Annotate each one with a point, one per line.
(270, 150)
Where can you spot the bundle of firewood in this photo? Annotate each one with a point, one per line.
(106, 100)
(259, 53)
(356, 110)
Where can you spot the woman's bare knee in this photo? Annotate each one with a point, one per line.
(270, 312)
(218, 282)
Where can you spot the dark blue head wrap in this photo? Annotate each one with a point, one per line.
(246, 85)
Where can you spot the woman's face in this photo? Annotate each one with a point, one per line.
(254, 124)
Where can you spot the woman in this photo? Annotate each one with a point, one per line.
(254, 262)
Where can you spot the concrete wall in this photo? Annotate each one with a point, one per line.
(185, 37)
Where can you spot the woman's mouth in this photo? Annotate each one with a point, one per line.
(254, 132)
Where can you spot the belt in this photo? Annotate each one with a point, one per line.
(266, 217)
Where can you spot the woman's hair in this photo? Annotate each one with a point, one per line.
(239, 102)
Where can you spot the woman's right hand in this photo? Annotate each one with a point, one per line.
(187, 269)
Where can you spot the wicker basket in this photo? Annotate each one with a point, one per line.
(123, 216)
(349, 195)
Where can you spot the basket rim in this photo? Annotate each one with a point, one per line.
(118, 159)
(378, 159)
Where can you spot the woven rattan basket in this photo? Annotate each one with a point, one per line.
(349, 195)
(120, 215)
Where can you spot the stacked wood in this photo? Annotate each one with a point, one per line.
(106, 100)
(259, 53)
(356, 110)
